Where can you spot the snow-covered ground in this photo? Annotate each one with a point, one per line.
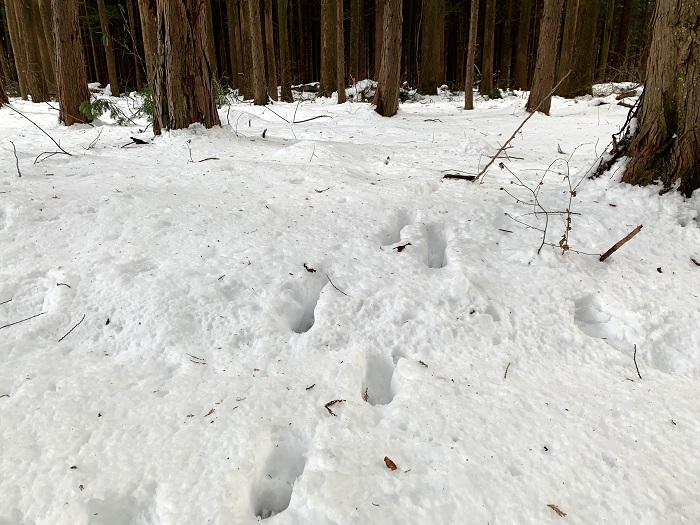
(232, 285)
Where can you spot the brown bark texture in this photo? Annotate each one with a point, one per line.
(521, 52)
(486, 86)
(37, 83)
(666, 146)
(471, 55)
(246, 84)
(378, 35)
(17, 48)
(329, 69)
(134, 44)
(270, 52)
(607, 37)
(545, 66)
(285, 61)
(183, 90)
(109, 49)
(147, 12)
(70, 61)
(432, 63)
(258, 55)
(234, 40)
(41, 14)
(623, 38)
(356, 30)
(387, 96)
(340, 51)
(578, 53)
(3, 93)
(504, 69)
(211, 45)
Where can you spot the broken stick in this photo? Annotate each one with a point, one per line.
(619, 243)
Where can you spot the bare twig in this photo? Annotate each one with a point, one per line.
(17, 322)
(334, 286)
(19, 173)
(69, 331)
(506, 374)
(5, 302)
(331, 403)
(505, 144)
(309, 119)
(619, 243)
(94, 142)
(634, 357)
(40, 129)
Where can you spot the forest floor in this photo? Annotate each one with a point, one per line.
(229, 288)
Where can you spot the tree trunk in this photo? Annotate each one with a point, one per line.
(41, 16)
(623, 39)
(329, 49)
(432, 69)
(285, 62)
(487, 58)
(387, 96)
(211, 45)
(234, 38)
(109, 49)
(471, 55)
(247, 48)
(356, 30)
(270, 49)
(545, 67)
(258, 55)
(182, 92)
(36, 80)
(70, 61)
(17, 48)
(504, 73)
(577, 50)
(134, 44)
(340, 51)
(378, 36)
(605, 45)
(521, 51)
(666, 146)
(3, 93)
(147, 13)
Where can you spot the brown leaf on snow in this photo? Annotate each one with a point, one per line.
(210, 412)
(556, 509)
(390, 464)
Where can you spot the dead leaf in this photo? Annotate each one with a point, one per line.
(556, 509)
(81, 488)
(402, 247)
(310, 270)
(210, 412)
(365, 395)
(331, 403)
(390, 464)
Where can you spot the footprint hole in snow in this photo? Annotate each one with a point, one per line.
(274, 484)
(437, 246)
(376, 385)
(302, 312)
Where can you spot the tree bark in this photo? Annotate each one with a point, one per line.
(36, 80)
(247, 52)
(234, 38)
(17, 49)
(258, 55)
(623, 39)
(211, 45)
(270, 49)
(183, 86)
(504, 70)
(387, 96)
(134, 44)
(487, 58)
(605, 45)
(70, 61)
(285, 62)
(3, 94)
(41, 15)
(577, 49)
(471, 55)
(545, 67)
(329, 49)
(356, 30)
(378, 35)
(340, 51)
(432, 69)
(666, 147)
(109, 49)
(521, 52)
(148, 12)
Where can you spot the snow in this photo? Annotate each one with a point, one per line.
(498, 379)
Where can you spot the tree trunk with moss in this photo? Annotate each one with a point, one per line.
(432, 69)
(666, 146)
(388, 86)
(545, 66)
(70, 61)
(183, 85)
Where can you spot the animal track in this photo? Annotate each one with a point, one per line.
(376, 385)
(274, 480)
(437, 246)
(300, 312)
(392, 234)
(593, 318)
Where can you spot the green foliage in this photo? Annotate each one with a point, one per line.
(221, 93)
(494, 93)
(94, 109)
(144, 104)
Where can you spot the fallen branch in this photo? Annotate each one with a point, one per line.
(619, 244)
(331, 403)
(505, 145)
(19, 173)
(64, 152)
(634, 357)
(5, 302)
(506, 374)
(17, 322)
(458, 176)
(334, 286)
(69, 331)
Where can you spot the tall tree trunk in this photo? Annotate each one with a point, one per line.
(578, 55)
(521, 51)
(387, 96)
(10, 64)
(432, 64)
(258, 55)
(605, 45)
(356, 30)
(211, 45)
(340, 51)
(378, 36)
(182, 92)
(17, 48)
(36, 80)
(543, 79)
(147, 12)
(285, 62)
(270, 49)
(329, 49)
(41, 14)
(471, 55)
(3, 93)
(70, 61)
(134, 44)
(234, 37)
(623, 39)
(109, 49)
(487, 58)
(247, 80)
(569, 45)
(666, 146)
(504, 73)
(4, 63)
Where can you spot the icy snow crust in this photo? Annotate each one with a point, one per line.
(193, 392)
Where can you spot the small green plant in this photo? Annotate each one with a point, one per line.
(493, 93)
(144, 104)
(221, 93)
(93, 109)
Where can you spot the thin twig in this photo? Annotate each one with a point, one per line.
(69, 331)
(17, 322)
(309, 119)
(5, 302)
(334, 286)
(505, 145)
(19, 173)
(619, 243)
(40, 129)
(635, 361)
(506, 374)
